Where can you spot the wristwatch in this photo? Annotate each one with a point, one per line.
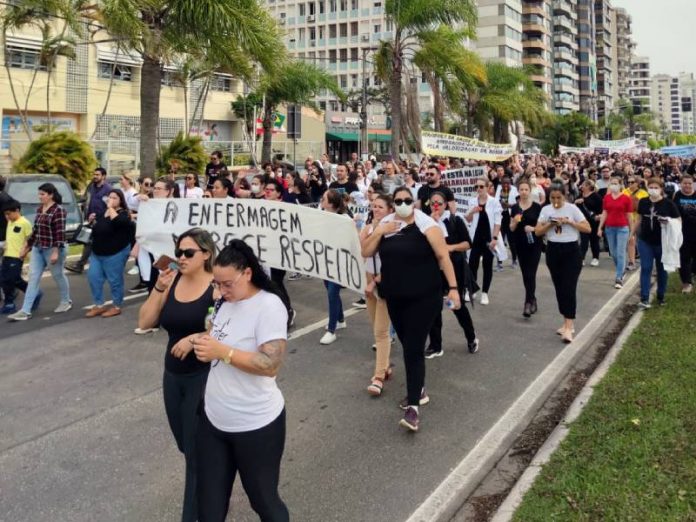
(228, 358)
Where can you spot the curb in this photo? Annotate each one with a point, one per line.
(449, 496)
(526, 481)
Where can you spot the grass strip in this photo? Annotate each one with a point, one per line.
(631, 455)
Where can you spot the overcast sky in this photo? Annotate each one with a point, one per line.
(664, 31)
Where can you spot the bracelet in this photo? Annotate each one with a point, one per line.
(453, 288)
(159, 290)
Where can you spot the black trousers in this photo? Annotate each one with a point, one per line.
(278, 277)
(256, 455)
(529, 256)
(412, 319)
(687, 258)
(182, 395)
(86, 252)
(463, 317)
(11, 278)
(478, 252)
(507, 235)
(590, 240)
(565, 264)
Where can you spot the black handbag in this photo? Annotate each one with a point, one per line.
(84, 235)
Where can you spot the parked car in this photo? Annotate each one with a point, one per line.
(25, 189)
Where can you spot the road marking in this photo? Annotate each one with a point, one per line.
(127, 298)
(450, 494)
(296, 334)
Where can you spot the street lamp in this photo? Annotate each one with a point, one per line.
(364, 149)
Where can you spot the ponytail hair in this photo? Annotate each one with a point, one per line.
(239, 255)
(50, 188)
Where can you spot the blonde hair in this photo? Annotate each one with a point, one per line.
(132, 176)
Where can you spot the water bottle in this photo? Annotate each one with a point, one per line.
(530, 238)
(209, 318)
(449, 303)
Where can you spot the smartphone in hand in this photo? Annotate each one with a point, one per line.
(165, 262)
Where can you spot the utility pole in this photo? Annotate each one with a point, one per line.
(364, 149)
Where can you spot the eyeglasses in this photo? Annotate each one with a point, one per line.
(226, 285)
(405, 201)
(480, 186)
(188, 253)
(147, 184)
(436, 204)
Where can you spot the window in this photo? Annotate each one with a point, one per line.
(322, 105)
(354, 80)
(377, 81)
(22, 58)
(354, 54)
(343, 55)
(343, 81)
(121, 72)
(221, 83)
(300, 9)
(377, 28)
(344, 5)
(169, 79)
(332, 6)
(390, 25)
(322, 7)
(343, 30)
(354, 4)
(312, 8)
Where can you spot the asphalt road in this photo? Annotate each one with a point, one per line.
(84, 437)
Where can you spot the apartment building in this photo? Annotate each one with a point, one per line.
(666, 102)
(537, 44)
(640, 82)
(587, 58)
(499, 31)
(624, 51)
(687, 84)
(566, 93)
(605, 37)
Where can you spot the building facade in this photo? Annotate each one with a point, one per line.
(624, 52)
(605, 40)
(499, 31)
(640, 82)
(587, 58)
(687, 84)
(566, 86)
(666, 102)
(537, 44)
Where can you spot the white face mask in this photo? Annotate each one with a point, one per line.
(614, 188)
(654, 193)
(403, 210)
(256, 189)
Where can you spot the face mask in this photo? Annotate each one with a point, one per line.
(256, 189)
(404, 211)
(654, 193)
(614, 188)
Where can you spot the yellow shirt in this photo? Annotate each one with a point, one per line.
(635, 198)
(17, 234)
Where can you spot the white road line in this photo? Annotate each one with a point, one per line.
(448, 497)
(127, 298)
(319, 324)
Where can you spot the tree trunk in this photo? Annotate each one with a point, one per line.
(150, 81)
(22, 114)
(206, 89)
(438, 105)
(108, 94)
(267, 133)
(187, 130)
(395, 96)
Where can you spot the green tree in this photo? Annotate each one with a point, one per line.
(296, 82)
(224, 31)
(419, 24)
(627, 118)
(186, 152)
(572, 130)
(63, 153)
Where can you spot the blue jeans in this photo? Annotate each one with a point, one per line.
(617, 237)
(110, 269)
(40, 259)
(649, 253)
(335, 305)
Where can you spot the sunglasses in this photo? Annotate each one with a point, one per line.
(147, 184)
(405, 201)
(188, 253)
(480, 186)
(436, 204)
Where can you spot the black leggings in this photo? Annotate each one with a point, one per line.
(463, 317)
(565, 264)
(591, 240)
(687, 257)
(412, 319)
(278, 277)
(529, 256)
(182, 395)
(255, 454)
(478, 252)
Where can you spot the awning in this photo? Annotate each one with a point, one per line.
(33, 43)
(354, 136)
(109, 54)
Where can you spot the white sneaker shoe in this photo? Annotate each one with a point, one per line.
(143, 331)
(328, 338)
(63, 307)
(134, 270)
(484, 298)
(339, 326)
(467, 299)
(594, 262)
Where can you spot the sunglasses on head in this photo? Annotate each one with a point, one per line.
(188, 253)
(403, 201)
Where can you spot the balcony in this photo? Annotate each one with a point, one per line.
(354, 65)
(343, 40)
(535, 60)
(538, 78)
(355, 13)
(561, 7)
(535, 43)
(564, 22)
(560, 52)
(365, 12)
(322, 17)
(377, 10)
(343, 66)
(343, 15)
(564, 38)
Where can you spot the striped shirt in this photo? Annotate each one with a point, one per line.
(49, 228)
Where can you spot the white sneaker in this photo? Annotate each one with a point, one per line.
(594, 262)
(339, 326)
(328, 338)
(467, 299)
(143, 331)
(484, 298)
(63, 307)
(134, 270)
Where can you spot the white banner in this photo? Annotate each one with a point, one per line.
(284, 236)
(613, 145)
(562, 149)
(451, 145)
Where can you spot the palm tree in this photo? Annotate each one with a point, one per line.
(295, 83)
(225, 31)
(572, 130)
(419, 24)
(509, 95)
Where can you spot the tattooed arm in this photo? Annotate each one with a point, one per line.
(266, 362)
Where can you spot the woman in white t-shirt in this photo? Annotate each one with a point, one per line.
(191, 188)
(242, 424)
(562, 223)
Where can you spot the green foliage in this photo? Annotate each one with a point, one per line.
(186, 153)
(572, 130)
(244, 106)
(63, 153)
(242, 159)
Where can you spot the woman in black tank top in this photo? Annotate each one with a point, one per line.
(180, 301)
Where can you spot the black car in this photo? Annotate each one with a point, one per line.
(25, 189)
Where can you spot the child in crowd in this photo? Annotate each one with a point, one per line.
(18, 230)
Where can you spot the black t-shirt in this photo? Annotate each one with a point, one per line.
(409, 266)
(530, 217)
(687, 209)
(344, 188)
(482, 234)
(426, 191)
(650, 228)
(181, 320)
(110, 236)
(591, 207)
(213, 172)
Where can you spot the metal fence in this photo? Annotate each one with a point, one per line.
(119, 156)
